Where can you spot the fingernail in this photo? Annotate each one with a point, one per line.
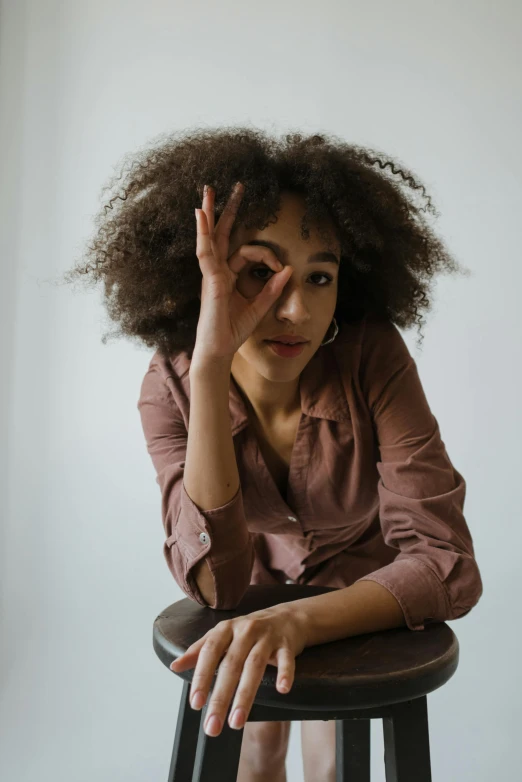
(197, 700)
(283, 684)
(238, 718)
(213, 726)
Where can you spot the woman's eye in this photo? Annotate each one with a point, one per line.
(318, 274)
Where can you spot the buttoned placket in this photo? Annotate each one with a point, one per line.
(297, 472)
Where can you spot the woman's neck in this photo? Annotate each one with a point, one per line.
(270, 402)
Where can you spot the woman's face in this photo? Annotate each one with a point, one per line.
(306, 304)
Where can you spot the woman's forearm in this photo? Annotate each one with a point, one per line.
(363, 607)
(211, 476)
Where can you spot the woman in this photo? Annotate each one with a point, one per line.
(317, 464)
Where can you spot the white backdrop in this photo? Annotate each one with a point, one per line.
(82, 573)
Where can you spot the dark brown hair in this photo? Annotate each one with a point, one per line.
(144, 248)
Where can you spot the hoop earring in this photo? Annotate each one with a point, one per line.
(335, 333)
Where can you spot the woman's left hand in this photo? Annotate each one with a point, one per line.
(244, 645)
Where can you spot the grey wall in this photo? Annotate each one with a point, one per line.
(82, 575)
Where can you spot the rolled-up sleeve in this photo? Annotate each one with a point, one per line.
(220, 534)
(435, 576)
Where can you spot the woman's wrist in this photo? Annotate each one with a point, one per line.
(204, 363)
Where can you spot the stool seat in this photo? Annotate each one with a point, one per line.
(360, 672)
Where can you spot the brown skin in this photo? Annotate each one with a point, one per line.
(306, 306)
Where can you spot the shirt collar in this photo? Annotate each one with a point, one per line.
(321, 386)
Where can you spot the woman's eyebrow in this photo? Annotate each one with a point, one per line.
(321, 257)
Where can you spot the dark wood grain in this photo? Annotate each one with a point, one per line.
(360, 672)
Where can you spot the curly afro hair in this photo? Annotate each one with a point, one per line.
(144, 248)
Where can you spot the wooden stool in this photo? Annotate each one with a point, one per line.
(384, 675)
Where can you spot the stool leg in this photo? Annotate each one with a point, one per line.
(406, 742)
(352, 750)
(217, 757)
(186, 739)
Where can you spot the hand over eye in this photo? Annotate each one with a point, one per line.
(242, 647)
(227, 318)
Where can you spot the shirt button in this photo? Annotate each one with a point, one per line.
(292, 518)
(203, 537)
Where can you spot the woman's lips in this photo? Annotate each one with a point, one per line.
(285, 350)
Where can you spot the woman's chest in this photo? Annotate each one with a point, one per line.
(276, 446)
(312, 471)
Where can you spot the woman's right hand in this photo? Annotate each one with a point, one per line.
(226, 317)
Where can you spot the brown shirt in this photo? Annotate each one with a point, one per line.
(372, 493)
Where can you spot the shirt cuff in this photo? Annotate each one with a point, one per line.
(416, 588)
(221, 536)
